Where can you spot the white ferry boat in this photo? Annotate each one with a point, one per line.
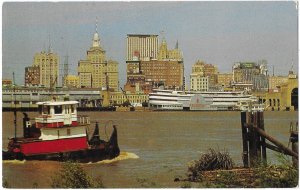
(168, 100)
(179, 100)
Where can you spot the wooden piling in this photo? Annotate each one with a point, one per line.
(262, 139)
(295, 149)
(294, 140)
(254, 140)
(245, 139)
(256, 123)
(277, 143)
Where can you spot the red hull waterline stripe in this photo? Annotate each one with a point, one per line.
(55, 125)
(54, 146)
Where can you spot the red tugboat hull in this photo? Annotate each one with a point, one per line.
(50, 146)
(64, 150)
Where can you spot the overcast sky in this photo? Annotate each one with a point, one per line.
(219, 33)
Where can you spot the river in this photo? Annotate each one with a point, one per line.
(156, 146)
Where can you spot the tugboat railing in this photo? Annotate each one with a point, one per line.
(83, 119)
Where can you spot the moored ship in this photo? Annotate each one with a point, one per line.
(58, 133)
(179, 100)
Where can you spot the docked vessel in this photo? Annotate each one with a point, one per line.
(58, 133)
(179, 100)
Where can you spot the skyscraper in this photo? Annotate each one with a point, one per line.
(32, 76)
(203, 77)
(95, 71)
(165, 67)
(48, 63)
(143, 46)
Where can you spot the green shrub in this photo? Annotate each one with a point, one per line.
(186, 185)
(72, 175)
(5, 183)
(283, 175)
(212, 160)
(144, 183)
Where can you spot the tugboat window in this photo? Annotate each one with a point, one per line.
(72, 108)
(46, 110)
(40, 109)
(57, 109)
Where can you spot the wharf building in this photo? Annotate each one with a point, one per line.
(250, 76)
(145, 73)
(27, 97)
(276, 81)
(6, 82)
(203, 77)
(285, 97)
(96, 71)
(44, 70)
(135, 99)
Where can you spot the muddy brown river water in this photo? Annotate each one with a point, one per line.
(156, 146)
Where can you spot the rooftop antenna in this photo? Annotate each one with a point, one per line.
(96, 24)
(66, 68)
(162, 33)
(49, 50)
(44, 47)
(292, 65)
(273, 70)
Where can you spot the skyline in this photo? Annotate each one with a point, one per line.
(219, 33)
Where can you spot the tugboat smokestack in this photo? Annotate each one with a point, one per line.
(25, 129)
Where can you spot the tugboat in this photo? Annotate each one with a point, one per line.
(58, 133)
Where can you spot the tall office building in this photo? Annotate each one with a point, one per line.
(150, 65)
(143, 46)
(254, 74)
(169, 73)
(169, 54)
(48, 64)
(203, 77)
(32, 76)
(224, 79)
(95, 71)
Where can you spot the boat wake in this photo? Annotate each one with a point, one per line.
(13, 161)
(122, 156)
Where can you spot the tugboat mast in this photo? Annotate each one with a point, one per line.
(15, 110)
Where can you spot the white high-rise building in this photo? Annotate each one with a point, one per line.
(142, 46)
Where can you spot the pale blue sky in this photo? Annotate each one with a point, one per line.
(220, 33)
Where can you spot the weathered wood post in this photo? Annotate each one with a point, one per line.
(256, 123)
(254, 140)
(254, 145)
(262, 138)
(245, 139)
(294, 141)
(295, 149)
